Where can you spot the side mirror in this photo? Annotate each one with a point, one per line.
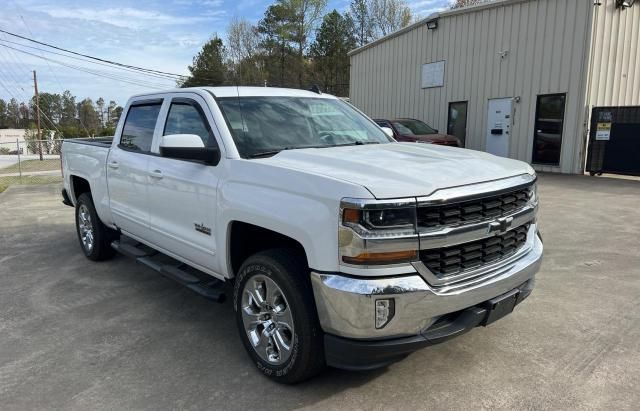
(188, 147)
(387, 131)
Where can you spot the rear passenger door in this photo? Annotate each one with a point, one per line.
(127, 168)
(183, 193)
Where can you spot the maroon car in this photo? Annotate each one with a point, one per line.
(416, 131)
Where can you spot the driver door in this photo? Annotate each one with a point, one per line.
(183, 193)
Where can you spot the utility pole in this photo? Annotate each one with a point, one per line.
(35, 84)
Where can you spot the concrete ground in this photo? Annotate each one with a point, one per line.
(116, 335)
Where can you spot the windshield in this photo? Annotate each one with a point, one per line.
(415, 127)
(264, 126)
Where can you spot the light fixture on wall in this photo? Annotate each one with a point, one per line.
(432, 24)
(624, 4)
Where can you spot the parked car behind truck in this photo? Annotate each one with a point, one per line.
(410, 130)
(344, 248)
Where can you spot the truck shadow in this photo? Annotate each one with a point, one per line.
(120, 326)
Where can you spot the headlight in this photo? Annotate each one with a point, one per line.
(377, 233)
(533, 194)
(380, 219)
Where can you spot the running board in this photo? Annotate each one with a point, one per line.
(203, 284)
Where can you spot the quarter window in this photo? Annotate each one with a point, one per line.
(186, 118)
(137, 133)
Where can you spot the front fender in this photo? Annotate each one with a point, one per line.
(312, 222)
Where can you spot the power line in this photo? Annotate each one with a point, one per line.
(116, 77)
(41, 112)
(55, 77)
(161, 76)
(92, 57)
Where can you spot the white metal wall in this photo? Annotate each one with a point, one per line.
(547, 43)
(615, 59)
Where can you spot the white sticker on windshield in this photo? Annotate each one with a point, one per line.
(323, 109)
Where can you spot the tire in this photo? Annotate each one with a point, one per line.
(286, 317)
(95, 238)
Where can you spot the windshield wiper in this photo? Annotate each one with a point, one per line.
(267, 153)
(355, 143)
(276, 151)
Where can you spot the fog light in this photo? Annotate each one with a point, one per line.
(385, 310)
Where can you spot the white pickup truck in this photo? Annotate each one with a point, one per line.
(343, 247)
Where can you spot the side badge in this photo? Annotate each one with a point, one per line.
(202, 228)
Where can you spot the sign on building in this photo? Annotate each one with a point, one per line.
(433, 74)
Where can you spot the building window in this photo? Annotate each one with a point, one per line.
(457, 121)
(547, 136)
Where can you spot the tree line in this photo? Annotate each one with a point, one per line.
(62, 114)
(295, 44)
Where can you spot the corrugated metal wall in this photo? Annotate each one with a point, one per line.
(615, 60)
(547, 43)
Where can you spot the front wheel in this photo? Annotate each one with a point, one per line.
(276, 316)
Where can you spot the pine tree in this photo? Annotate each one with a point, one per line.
(208, 68)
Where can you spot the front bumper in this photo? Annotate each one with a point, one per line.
(346, 305)
(352, 354)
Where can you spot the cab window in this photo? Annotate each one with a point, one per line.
(137, 133)
(186, 117)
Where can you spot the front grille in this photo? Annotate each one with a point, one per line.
(447, 261)
(464, 212)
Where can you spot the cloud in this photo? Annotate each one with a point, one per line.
(206, 3)
(426, 7)
(128, 17)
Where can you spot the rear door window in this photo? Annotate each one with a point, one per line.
(137, 133)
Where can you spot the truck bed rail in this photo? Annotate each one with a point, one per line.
(102, 141)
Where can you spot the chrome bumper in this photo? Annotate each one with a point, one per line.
(346, 305)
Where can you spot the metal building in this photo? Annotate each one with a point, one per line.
(513, 77)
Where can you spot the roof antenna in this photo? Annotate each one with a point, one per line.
(315, 89)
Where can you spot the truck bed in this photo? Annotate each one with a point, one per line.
(86, 159)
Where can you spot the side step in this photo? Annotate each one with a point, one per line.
(203, 284)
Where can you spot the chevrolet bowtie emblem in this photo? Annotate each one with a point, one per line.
(501, 225)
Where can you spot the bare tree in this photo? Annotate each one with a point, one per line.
(456, 4)
(361, 16)
(390, 15)
(308, 14)
(243, 41)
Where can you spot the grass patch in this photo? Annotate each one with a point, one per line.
(33, 165)
(28, 180)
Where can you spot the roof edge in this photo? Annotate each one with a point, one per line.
(432, 16)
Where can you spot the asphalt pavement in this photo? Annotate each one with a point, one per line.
(75, 334)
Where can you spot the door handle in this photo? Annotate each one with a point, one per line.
(113, 164)
(156, 174)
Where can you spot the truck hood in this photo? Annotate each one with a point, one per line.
(398, 170)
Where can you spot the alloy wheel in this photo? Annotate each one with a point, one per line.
(267, 319)
(86, 228)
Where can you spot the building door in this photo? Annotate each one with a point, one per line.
(499, 126)
(547, 138)
(457, 121)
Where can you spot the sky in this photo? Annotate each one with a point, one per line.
(156, 34)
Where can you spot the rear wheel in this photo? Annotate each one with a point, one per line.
(276, 316)
(95, 238)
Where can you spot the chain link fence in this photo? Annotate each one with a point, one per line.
(30, 162)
